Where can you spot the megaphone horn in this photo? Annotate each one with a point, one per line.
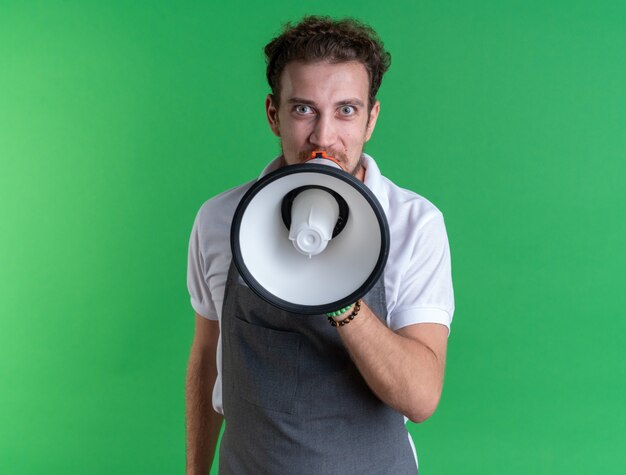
(310, 238)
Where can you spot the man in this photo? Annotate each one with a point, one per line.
(300, 396)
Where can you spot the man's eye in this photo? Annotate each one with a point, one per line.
(303, 109)
(347, 110)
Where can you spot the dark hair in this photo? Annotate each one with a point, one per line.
(318, 38)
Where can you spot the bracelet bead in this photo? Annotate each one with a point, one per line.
(336, 313)
(348, 319)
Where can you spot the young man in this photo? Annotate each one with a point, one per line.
(300, 396)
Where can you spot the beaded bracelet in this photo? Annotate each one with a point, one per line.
(340, 311)
(348, 319)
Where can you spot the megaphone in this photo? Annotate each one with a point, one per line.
(310, 238)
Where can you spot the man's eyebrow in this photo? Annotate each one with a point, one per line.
(300, 100)
(353, 101)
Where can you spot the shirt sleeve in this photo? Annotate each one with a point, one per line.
(426, 294)
(199, 292)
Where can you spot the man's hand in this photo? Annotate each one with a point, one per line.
(404, 368)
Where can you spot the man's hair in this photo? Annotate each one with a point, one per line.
(321, 38)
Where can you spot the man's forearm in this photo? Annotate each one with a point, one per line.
(403, 372)
(202, 422)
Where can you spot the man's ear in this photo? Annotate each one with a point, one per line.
(271, 110)
(372, 120)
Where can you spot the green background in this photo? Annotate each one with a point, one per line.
(118, 119)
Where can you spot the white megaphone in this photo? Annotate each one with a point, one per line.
(310, 238)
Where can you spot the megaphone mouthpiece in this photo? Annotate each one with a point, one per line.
(320, 154)
(320, 158)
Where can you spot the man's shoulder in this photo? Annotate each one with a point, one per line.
(218, 211)
(400, 204)
(405, 204)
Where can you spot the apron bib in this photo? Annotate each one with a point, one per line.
(294, 402)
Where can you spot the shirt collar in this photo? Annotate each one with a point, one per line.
(271, 166)
(374, 181)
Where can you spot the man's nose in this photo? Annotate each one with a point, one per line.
(324, 133)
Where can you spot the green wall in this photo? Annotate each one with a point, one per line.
(118, 119)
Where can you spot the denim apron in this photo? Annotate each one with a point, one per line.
(294, 402)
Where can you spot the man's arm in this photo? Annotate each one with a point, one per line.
(404, 368)
(202, 422)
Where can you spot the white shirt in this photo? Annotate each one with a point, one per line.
(418, 283)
